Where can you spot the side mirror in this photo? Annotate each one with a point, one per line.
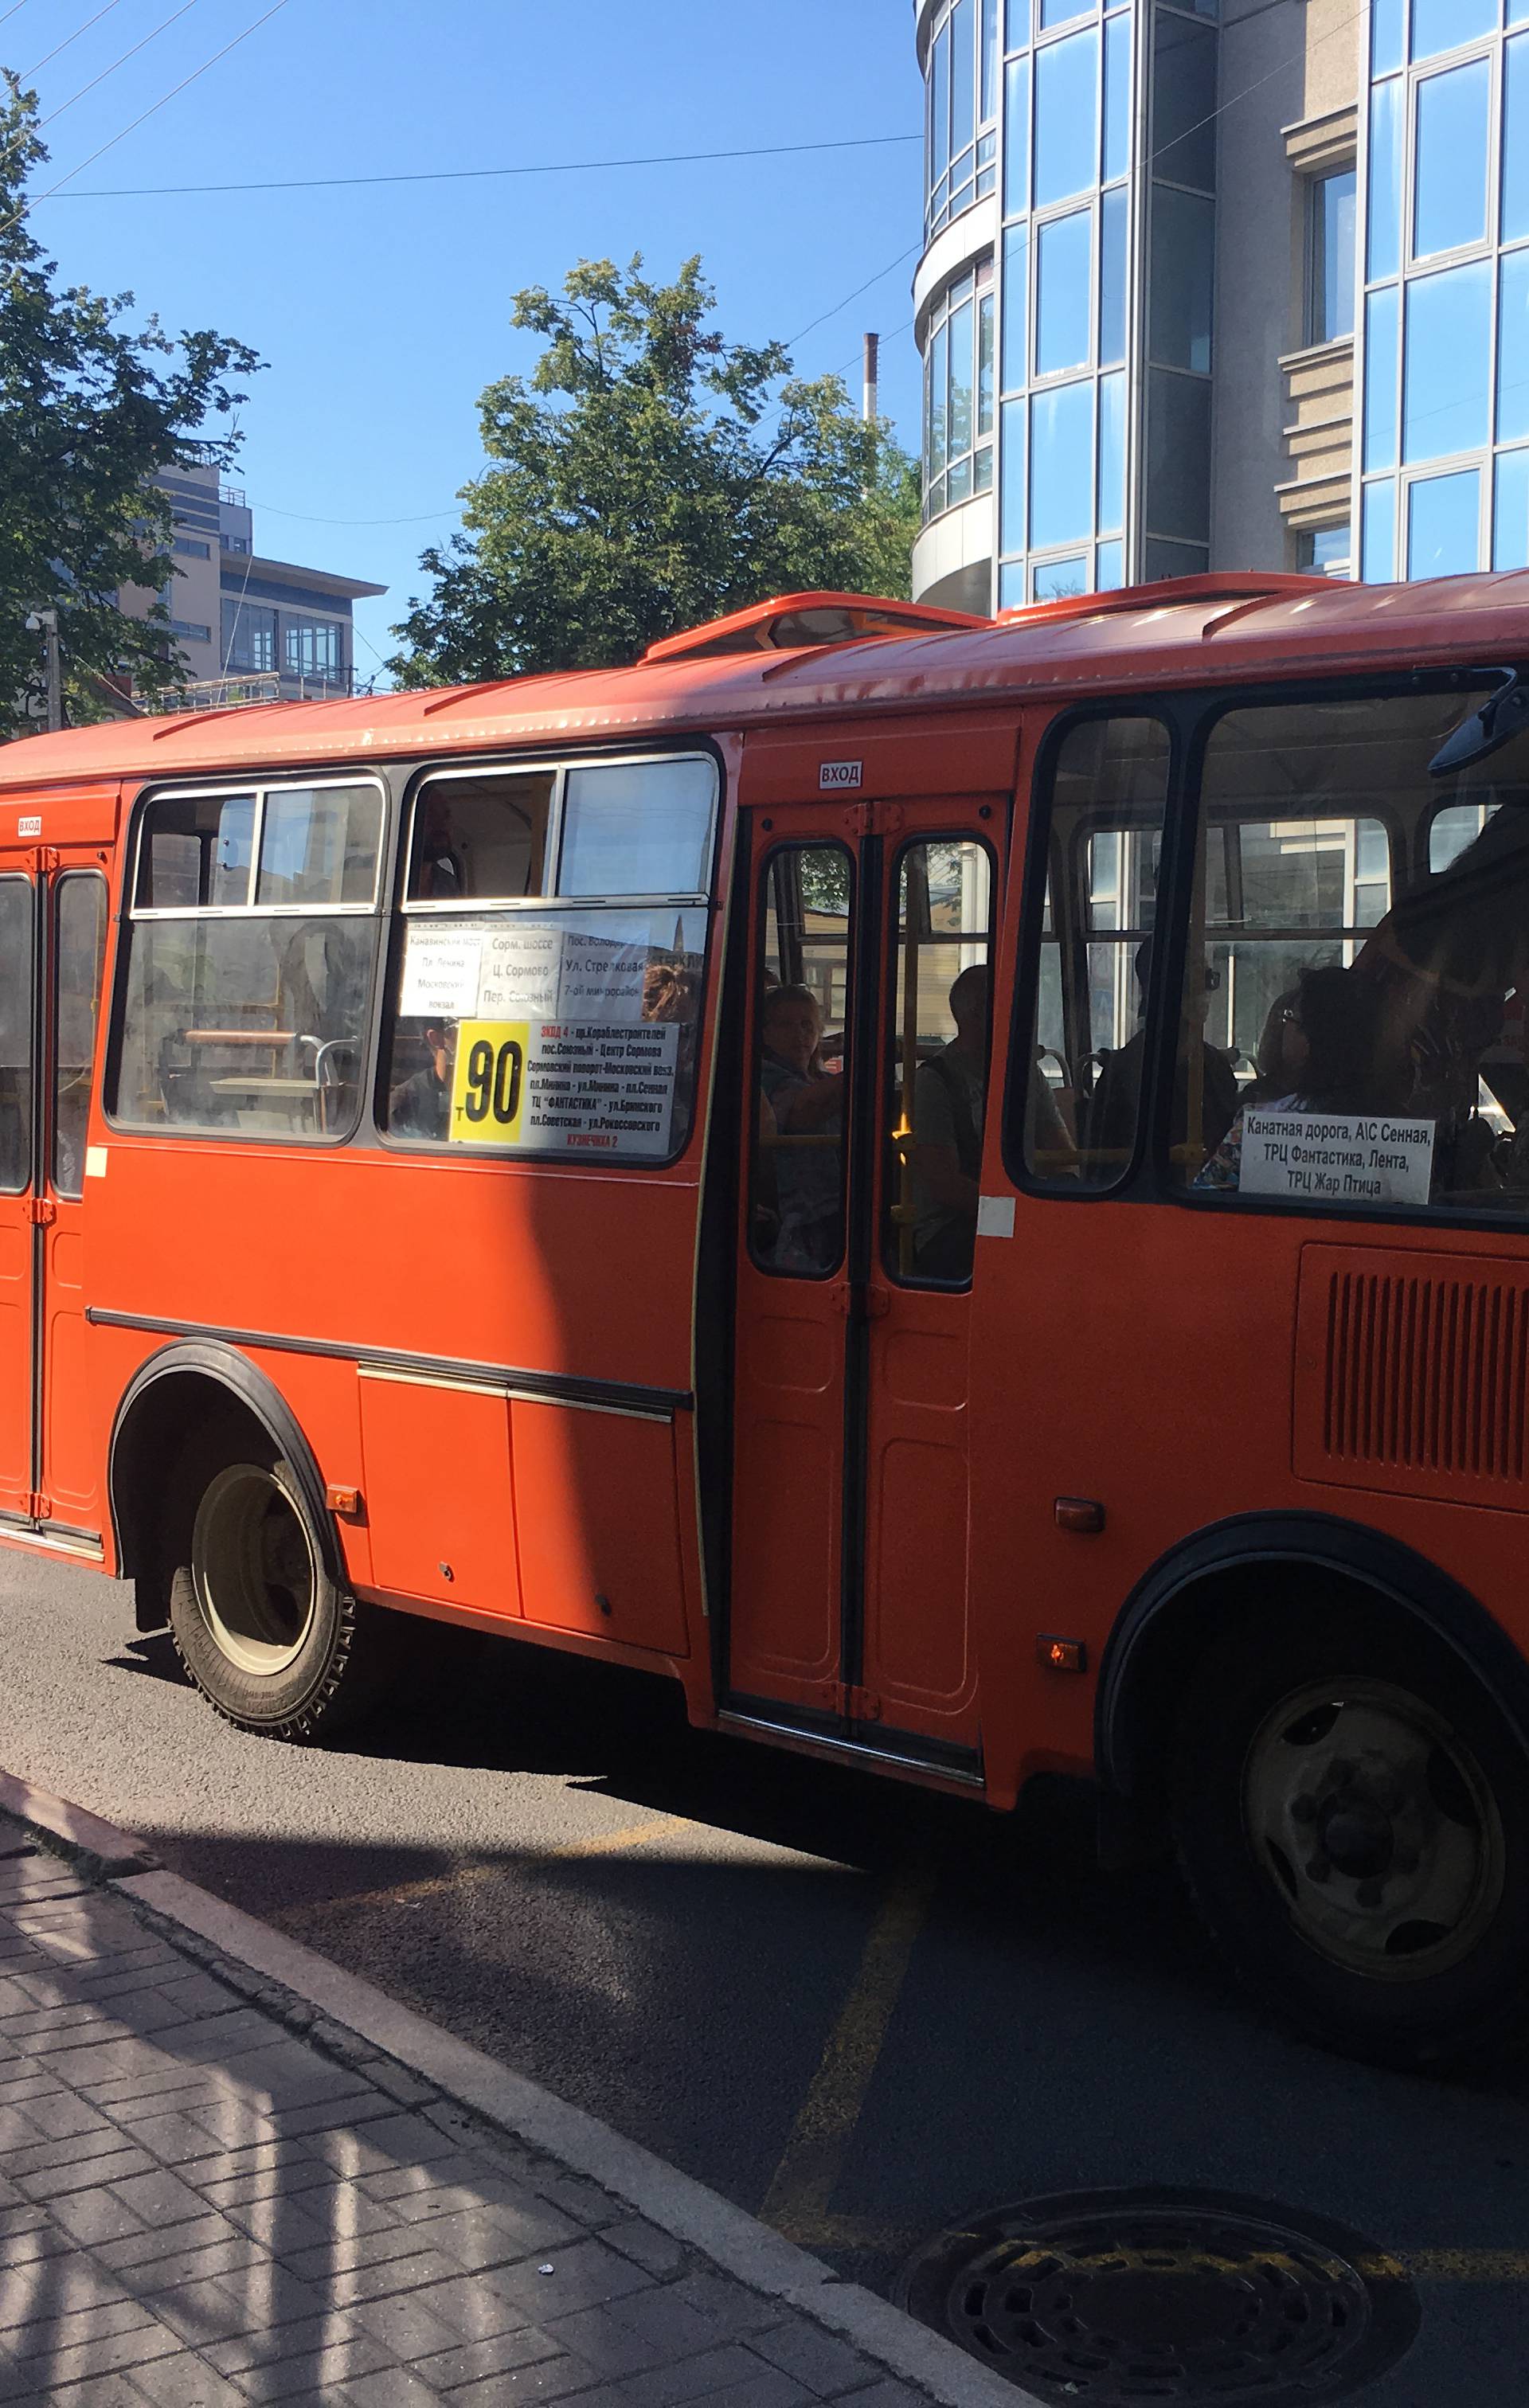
(1498, 720)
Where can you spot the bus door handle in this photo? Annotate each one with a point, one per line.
(866, 1303)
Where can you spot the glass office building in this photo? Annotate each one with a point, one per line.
(1444, 477)
(1191, 297)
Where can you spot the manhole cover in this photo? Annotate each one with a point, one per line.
(1117, 2296)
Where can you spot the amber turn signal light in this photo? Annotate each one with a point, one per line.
(1084, 1516)
(1060, 1655)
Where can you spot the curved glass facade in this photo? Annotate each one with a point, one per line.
(1098, 348)
(1443, 468)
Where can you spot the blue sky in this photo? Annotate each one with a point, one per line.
(383, 311)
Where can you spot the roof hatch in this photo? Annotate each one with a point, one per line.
(800, 621)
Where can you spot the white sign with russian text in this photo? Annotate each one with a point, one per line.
(1337, 1157)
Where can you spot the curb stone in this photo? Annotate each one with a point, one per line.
(354, 2024)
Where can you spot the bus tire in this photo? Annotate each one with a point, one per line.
(1351, 1812)
(258, 1626)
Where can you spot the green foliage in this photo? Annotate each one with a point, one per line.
(87, 412)
(648, 476)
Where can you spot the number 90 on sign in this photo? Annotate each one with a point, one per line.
(488, 1082)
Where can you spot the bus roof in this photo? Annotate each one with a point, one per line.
(1182, 632)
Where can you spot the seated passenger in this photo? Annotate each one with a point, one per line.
(1331, 1045)
(804, 1102)
(1109, 1129)
(950, 1094)
(422, 1106)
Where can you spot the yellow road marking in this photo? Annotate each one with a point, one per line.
(599, 1843)
(797, 2202)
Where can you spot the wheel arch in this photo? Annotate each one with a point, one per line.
(161, 1402)
(1184, 1600)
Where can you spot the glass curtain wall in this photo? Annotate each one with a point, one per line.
(1444, 451)
(958, 391)
(1103, 469)
(961, 110)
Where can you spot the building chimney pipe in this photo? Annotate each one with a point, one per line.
(872, 365)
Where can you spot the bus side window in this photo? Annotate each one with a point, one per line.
(1076, 1111)
(79, 939)
(937, 1059)
(249, 960)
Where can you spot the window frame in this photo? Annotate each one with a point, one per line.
(397, 910)
(760, 893)
(125, 913)
(1316, 281)
(30, 1150)
(887, 1035)
(1192, 716)
(74, 875)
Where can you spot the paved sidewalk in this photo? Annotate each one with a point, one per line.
(203, 2204)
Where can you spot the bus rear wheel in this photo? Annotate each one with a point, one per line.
(1351, 1815)
(258, 1624)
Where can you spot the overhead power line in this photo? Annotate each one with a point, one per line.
(468, 175)
(59, 47)
(153, 36)
(143, 117)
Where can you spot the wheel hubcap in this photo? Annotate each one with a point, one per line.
(1375, 1822)
(254, 1570)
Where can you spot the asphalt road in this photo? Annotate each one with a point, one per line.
(863, 2013)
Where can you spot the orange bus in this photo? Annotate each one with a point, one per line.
(960, 1188)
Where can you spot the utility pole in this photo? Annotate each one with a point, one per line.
(870, 408)
(45, 622)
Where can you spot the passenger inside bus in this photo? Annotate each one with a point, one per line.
(801, 1117)
(1111, 1111)
(1330, 1041)
(421, 1106)
(950, 1097)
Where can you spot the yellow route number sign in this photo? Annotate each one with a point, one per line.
(488, 1082)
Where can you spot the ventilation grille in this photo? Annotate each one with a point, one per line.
(1426, 1373)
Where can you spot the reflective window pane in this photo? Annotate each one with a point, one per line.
(1513, 348)
(1012, 595)
(1011, 499)
(79, 939)
(1017, 137)
(1067, 117)
(318, 845)
(1448, 333)
(1063, 282)
(961, 382)
(1450, 204)
(1016, 333)
(1377, 538)
(1382, 326)
(801, 1062)
(639, 828)
(1016, 23)
(1385, 180)
(1117, 96)
(1444, 24)
(1387, 35)
(1059, 581)
(1183, 278)
(1443, 524)
(937, 1060)
(984, 364)
(1333, 205)
(1325, 551)
(963, 76)
(1112, 452)
(1078, 1108)
(1511, 527)
(195, 851)
(939, 372)
(480, 836)
(1516, 140)
(1062, 465)
(1165, 559)
(1184, 103)
(1177, 455)
(940, 101)
(1109, 572)
(988, 96)
(1061, 12)
(1112, 277)
(1518, 13)
(16, 917)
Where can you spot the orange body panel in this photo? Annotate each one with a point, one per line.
(448, 1333)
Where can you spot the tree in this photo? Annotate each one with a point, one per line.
(87, 412)
(650, 476)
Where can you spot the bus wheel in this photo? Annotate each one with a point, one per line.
(1352, 1813)
(257, 1623)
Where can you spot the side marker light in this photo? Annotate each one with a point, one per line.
(1060, 1655)
(1084, 1516)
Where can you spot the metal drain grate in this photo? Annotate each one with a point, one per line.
(1118, 2296)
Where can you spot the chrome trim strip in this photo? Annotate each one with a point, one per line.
(619, 1396)
(856, 1750)
(24, 1534)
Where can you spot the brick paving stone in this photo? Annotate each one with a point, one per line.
(31, 2297)
(186, 2381)
(111, 2355)
(471, 2310)
(159, 2198)
(101, 2391)
(390, 2387)
(59, 2115)
(318, 2372)
(141, 2248)
(584, 2276)
(89, 2216)
(53, 2181)
(549, 2378)
(714, 2376)
(303, 2339)
(497, 2236)
(657, 2253)
(821, 2360)
(341, 2253)
(350, 2288)
(480, 2361)
(888, 2395)
(25, 2248)
(406, 2326)
(234, 2255)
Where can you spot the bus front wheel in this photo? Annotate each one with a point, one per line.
(258, 1624)
(1351, 1815)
